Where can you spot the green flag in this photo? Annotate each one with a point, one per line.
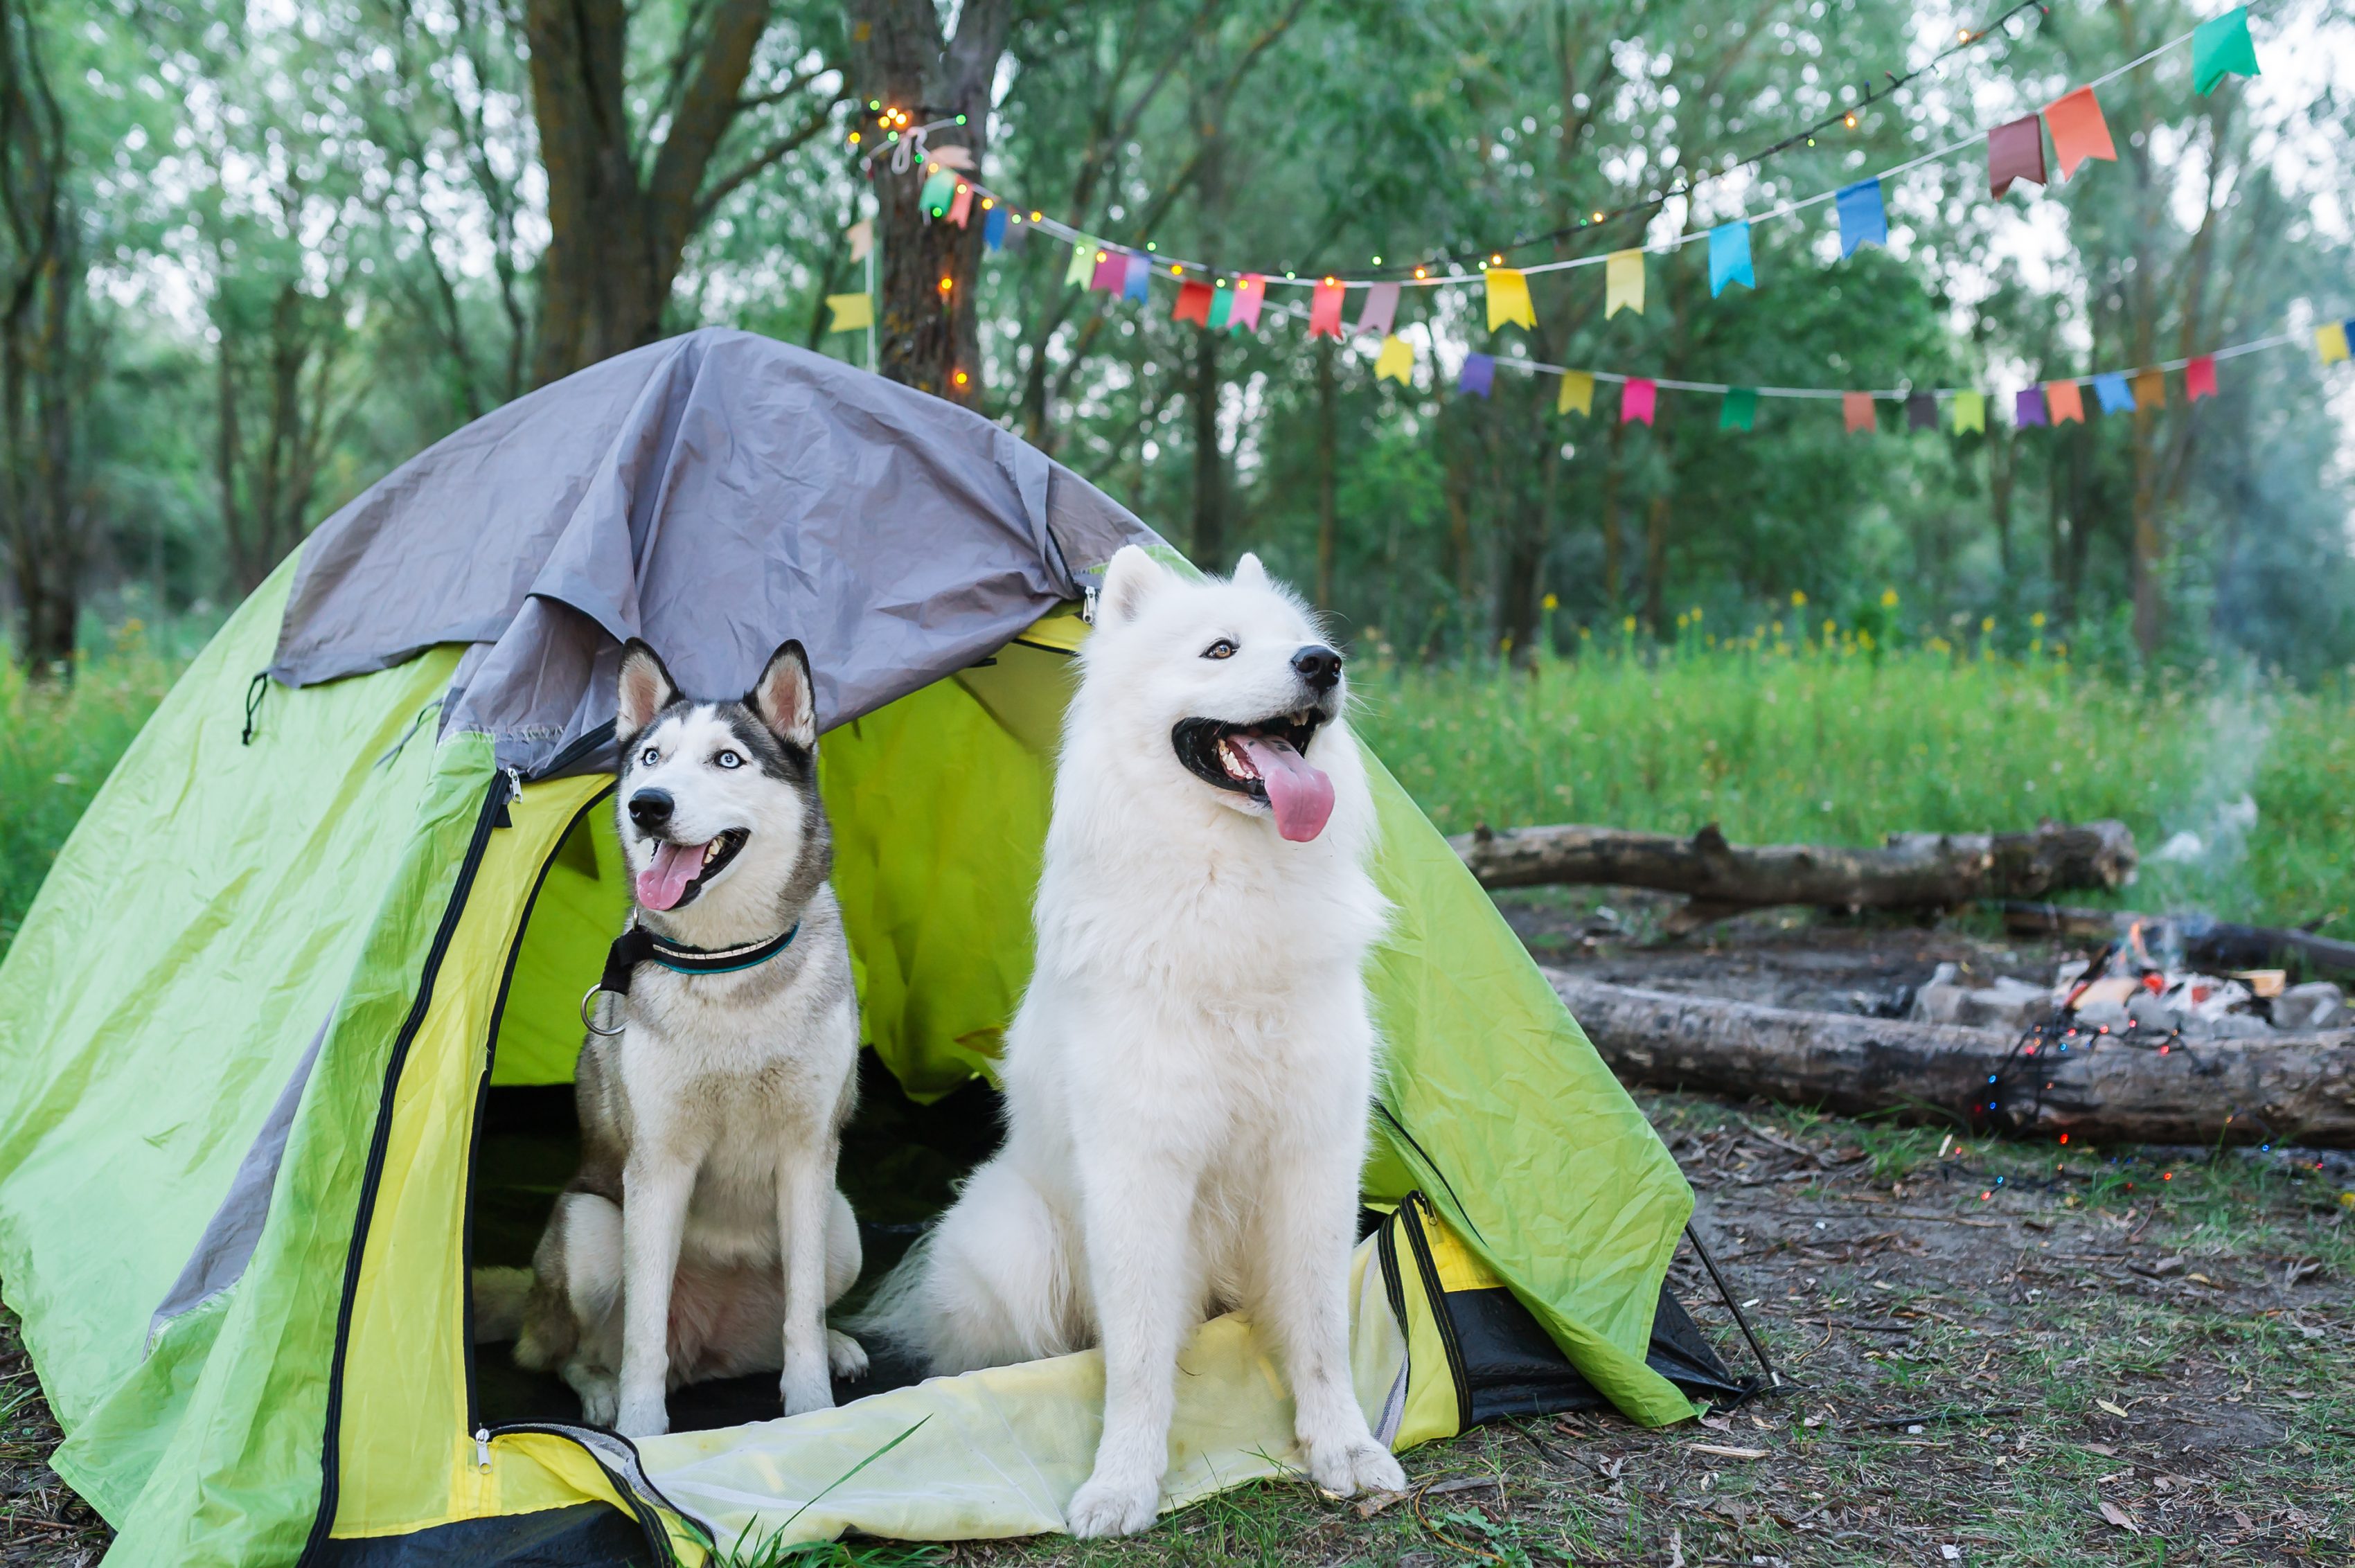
(2220, 47)
(1740, 410)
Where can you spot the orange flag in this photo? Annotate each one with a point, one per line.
(2150, 390)
(1858, 406)
(2079, 131)
(2065, 400)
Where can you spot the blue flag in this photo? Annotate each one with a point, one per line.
(2112, 390)
(1862, 220)
(1479, 374)
(1139, 269)
(1728, 258)
(992, 227)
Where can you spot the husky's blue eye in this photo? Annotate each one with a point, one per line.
(1221, 649)
(728, 760)
(650, 756)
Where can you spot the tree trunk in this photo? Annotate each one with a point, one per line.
(1327, 521)
(2002, 456)
(928, 332)
(1521, 589)
(1655, 562)
(1209, 540)
(1608, 515)
(1913, 870)
(2282, 1089)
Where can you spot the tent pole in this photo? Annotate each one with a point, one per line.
(1773, 1378)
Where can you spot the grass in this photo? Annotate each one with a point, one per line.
(1846, 746)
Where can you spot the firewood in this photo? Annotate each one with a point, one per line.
(2283, 1088)
(1912, 871)
(2218, 943)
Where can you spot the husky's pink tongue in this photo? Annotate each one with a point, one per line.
(664, 883)
(1302, 795)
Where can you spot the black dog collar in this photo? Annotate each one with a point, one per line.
(638, 945)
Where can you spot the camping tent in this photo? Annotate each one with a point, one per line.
(332, 917)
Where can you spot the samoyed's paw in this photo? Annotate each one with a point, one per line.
(1113, 1505)
(1355, 1465)
(845, 1357)
(642, 1418)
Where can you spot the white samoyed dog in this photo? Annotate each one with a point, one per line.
(1188, 1078)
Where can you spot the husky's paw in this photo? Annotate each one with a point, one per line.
(1112, 1505)
(1355, 1465)
(600, 1395)
(846, 1358)
(642, 1418)
(802, 1393)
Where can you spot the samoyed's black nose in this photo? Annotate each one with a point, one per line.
(1319, 666)
(650, 808)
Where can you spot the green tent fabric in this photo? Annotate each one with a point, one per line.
(252, 1026)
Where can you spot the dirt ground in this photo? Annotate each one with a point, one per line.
(1989, 1353)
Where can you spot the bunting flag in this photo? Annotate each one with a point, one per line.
(1017, 232)
(1193, 303)
(1508, 300)
(1223, 303)
(2220, 47)
(1133, 283)
(1857, 409)
(862, 238)
(2079, 131)
(852, 313)
(1729, 259)
(2200, 378)
(2015, 152)
(1862, 220)
(1922, 412)
(1478, 376)
(993, 226)
(2110, 392)
(2150, 390)
(1970, 413)
(1249, 294)
(1396, 361)
(1325, 310)
(2330, 341)
(1381, 310)
(1740, 409)
(1638, 399)
(2065, 400)
(1111, 273)
(961, 208)
(1623, 284)
(940, 189)
(1082, 268)
(1577, 394)
(2027, 409)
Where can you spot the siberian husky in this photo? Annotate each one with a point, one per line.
(704, 1236)
(1188, 1077)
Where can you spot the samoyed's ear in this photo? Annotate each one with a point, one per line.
(784, 699)
(1132, 580)
(1249, 572)
(645, 689)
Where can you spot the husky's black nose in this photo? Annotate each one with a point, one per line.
(650, 808)
(1319, 666)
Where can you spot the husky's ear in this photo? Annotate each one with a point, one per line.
(645, 689)
(784, 699)
(1129, 581)
(1249, 572)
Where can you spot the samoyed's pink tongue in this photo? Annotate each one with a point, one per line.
(664, 883)
(1302, 795)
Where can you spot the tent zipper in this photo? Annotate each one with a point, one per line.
(625, 1469)
(1411, 1211)
(495, 800)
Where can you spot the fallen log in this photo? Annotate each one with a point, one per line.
(1912, 871)
(2212, 944)
(2284, 1088)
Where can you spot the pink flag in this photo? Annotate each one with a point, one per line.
(962, 207)
(2200, 378)
(1325, 309)
(1250, 294)
(1112, 270)
(1381, 309)
(1638, 399)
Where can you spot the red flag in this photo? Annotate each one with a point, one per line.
(1857, 407)
(2200, 378)
(962, 207)
(1193, 303)
(2079, 131)
(1325, 309)
(2015, 152)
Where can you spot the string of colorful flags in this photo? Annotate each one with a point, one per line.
(1222, 300)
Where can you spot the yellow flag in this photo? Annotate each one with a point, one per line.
(1623, 281)
(1509, 299)
(2330, 341)
(1970, 413)
(852, 313)
(1577, 394)
(1396, 362)
(1084, 264)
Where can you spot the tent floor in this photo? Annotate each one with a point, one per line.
(900, 1163)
